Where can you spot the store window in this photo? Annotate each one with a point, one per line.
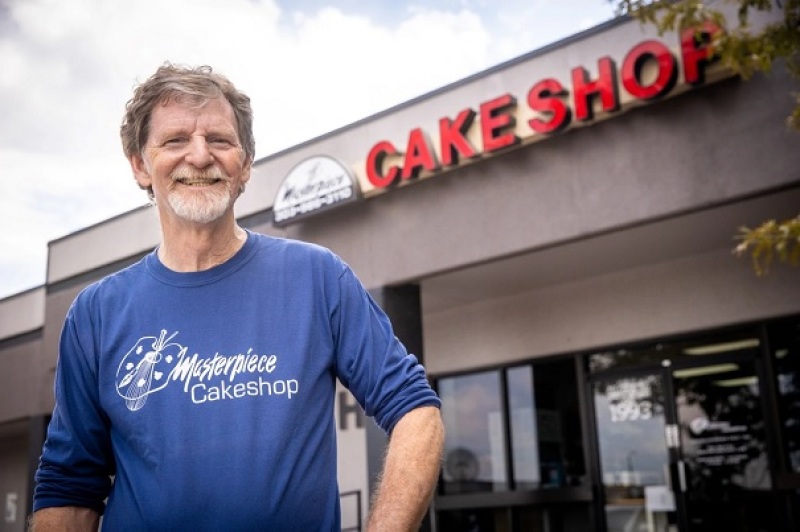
(784, 340)
(472, 410)
(676, 350)
(524, 428)
(515, 428)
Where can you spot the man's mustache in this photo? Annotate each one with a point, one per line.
(211, 173)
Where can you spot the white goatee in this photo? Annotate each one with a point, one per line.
(205, 204)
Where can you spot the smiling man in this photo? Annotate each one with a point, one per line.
(201, 379)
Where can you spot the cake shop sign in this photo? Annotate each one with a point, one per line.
(649, 71)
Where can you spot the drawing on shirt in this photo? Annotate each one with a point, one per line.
(139, 371)
(153, 362)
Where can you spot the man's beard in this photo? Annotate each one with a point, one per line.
(205, 205)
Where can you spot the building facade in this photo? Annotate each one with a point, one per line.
(553, 237)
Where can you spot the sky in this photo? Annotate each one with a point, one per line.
(309, 67)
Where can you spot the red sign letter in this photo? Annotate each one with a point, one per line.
(494, 119)
(419, 155)
(696, 51)
(544, 97)
(452, 137)
(635, 61)
(375, 165)
(605, 85)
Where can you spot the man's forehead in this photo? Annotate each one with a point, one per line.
(174, 111)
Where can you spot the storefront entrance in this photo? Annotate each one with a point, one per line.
(683, 434)
(682, 446)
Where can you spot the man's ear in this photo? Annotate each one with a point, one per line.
(140, 172)
(248, 165)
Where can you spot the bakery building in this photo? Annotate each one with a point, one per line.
(553, 237)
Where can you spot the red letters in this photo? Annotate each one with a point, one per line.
(419, 155)
(544, 97)
(634, 63)
(649, 71)
(605, 86)
(697, 51)
(452, 139)
(375, 160)
(495, 121)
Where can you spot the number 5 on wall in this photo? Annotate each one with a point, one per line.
(11, 508)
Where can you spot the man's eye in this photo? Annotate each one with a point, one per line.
(219, 141)
(175, 141)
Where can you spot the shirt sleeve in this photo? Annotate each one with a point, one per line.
(76, 464)
(371, 362)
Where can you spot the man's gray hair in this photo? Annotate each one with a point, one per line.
(178, 83)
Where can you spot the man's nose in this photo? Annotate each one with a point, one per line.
(199, 154)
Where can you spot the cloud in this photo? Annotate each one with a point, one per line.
(42, 202)
(309, 68)
(69, 67)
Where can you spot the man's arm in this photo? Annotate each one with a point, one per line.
(64, 519)
(410, 471)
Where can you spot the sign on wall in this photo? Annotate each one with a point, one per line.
(649, 71)
(315, 184)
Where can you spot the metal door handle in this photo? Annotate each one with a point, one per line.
(672, 436)
(682, 475)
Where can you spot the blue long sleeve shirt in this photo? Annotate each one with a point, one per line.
(208, 396)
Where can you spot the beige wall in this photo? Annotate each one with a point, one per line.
(699, 150)
(20, 378)
(13, 483)
(22, 313)
(685, 294)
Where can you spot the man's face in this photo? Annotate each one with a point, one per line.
(193, 160)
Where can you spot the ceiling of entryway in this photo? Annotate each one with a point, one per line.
(658, 241)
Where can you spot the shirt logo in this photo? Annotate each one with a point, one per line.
(154, 362)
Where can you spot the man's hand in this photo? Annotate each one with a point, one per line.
(410, 471)
(64, 519)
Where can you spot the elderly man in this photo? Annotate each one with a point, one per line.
(201, 379)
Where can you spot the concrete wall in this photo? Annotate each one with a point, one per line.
(21, 321)
(20, 378)
(691, 152)
(22, 313)
(13, 483)
(685, 294)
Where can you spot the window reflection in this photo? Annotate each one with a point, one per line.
(633, 451)
(473, 418)
(728, 342)
(785, 346)
(558, 423)
(524, 431)
(630, 424)
(722, 433)
(543, 433)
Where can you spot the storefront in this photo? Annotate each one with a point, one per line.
(695, 432)
(553, 237)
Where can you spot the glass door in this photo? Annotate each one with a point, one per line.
(684, 449)
(724, 473)
(631, 420)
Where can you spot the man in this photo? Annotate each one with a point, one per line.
(202, 377)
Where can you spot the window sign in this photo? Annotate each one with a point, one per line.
(630, 400)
